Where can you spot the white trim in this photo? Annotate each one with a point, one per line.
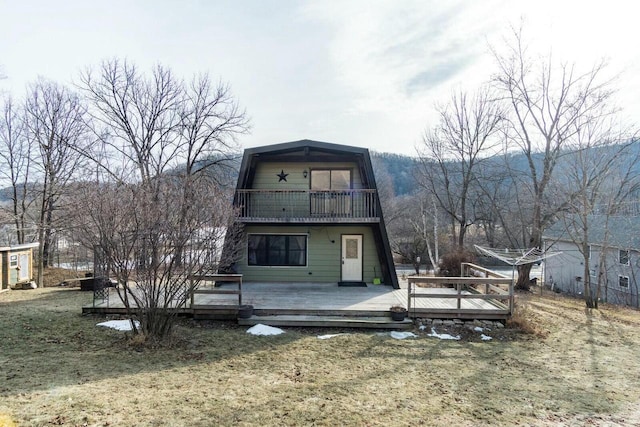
(628, 256)
(19, 247)
(359, 265)
(620, 276)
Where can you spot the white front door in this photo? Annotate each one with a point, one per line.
(351, 257)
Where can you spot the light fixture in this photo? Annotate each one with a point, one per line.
(305, 173)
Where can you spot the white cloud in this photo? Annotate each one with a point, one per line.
(359, 72)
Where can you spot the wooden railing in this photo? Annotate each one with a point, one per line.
(473, 270)
(237, 278)
(494, 289)
(307, 205)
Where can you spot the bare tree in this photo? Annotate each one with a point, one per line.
(161, 140)
(15, 149)
(498, 205)
(452, 151)
(56, 128)
(488, 201)
(599, 175)
(138, 234)
(430, 230)
(547, 105)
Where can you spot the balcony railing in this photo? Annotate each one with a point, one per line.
(307, 206)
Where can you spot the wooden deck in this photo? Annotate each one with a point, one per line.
(327, 304)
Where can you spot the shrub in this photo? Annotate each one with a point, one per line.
(450, 263)
(524, 319)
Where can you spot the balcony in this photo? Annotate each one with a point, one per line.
(307, 206)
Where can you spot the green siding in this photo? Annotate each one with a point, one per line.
(266, 175)
(323, 255)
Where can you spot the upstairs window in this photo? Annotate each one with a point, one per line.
(330, 179)
(624, 257)
(277, 250)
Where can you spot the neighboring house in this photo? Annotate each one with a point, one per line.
(614, 257)
(16, 265)
(311, 213)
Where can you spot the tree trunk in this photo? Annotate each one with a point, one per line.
(46, 245)
(40, 274)
(524, 283)
(590, 299)
(425, 236)
(463, 230)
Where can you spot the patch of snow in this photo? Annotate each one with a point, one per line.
(119, 325)
(261, 329)
(326, 337)
(422, 327)
(442, 336)
(478, 329)
(485, 337)
(402, 335)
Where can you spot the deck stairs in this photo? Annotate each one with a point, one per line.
(331, 321)
(372, 319)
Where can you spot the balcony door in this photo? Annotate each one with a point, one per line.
(330, 195)
(352, 258)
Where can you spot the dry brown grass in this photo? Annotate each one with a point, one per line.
(58, 368)
(526, 320)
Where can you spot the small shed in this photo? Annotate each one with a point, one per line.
(16, 264)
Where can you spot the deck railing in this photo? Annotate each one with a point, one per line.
(307, 205)
(212, 279)
(491, 287)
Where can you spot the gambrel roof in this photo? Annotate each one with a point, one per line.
(305, 150)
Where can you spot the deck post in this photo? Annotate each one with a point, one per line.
(191, 290)
(409, 284)
(459, 286)
(511, 296)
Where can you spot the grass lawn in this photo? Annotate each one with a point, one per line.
(58, 368)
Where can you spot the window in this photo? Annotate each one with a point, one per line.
(624, 257)
(329, 192)
(330, 179)
(13, 261)
(277, 250)
(623, 281)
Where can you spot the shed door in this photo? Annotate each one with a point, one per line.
(352, 257)
(25, 271)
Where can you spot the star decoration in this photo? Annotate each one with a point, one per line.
(282, 176)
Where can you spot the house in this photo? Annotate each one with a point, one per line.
(614, 257)
(16, 265)
(310, 212)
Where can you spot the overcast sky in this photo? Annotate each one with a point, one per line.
(364, 73)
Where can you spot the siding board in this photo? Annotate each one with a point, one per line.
(266, 175)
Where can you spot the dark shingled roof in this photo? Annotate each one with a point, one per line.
(623, 231)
